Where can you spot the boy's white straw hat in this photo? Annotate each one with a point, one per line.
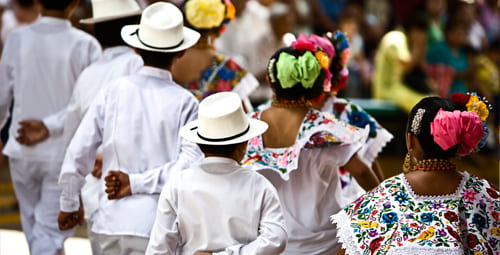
(161, 29)
(222, 121)
(106, 10)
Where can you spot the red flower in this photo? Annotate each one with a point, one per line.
(342, 170)
(375, 244)
(223, 86)
(451, 216)
(492, 193)
(459, 99)
(232, 65)
(303, 43)
(339, 107)
(414, 225)
(471, 241)
(312, 116)
(453, 233)
(495, 215)
(193, 85)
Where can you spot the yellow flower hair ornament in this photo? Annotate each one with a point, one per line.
(209, 14)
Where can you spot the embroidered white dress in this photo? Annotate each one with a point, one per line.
(392, 219)
(307, 178)
(220, 207)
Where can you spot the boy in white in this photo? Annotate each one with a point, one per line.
(38, 68)
(117, 60)
(218, 206)
(137, 119)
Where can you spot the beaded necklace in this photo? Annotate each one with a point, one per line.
(288, 104)
(434, 165)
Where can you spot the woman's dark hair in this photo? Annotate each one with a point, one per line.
(219, 150)
(416, 22)
(108, 33)
(60, 5)
(157, 59)
(431, 105)
(296, 92)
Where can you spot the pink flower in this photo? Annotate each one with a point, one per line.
(294, 151)
(223, 86)
(325, 44)
(470, 195)
(254, 141)
(345, 56)
(283, 161)
(303, 43)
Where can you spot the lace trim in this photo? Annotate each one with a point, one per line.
(425, 250)
(455, 195)
(375, 145)
(344, 233)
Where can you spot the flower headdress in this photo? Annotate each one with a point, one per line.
(466, 127)
(209, 14)
(304, 69)
(338, 66)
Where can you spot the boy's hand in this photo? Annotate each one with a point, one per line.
(31, 132)
(69, 220)
(117, 185)
(97, 172)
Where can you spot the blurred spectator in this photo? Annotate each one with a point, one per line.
(450, 53)
(404, 10)
(376, 23)
(435, 15)
(466, 11)
(489, 18)
(398, 53)
(326, 14)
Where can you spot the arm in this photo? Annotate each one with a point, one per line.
(272, 236)
(362, 173)
(165, 234)
(80, 156)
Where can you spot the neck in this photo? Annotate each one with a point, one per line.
(206, 42)
(55, 14)
(289, 104)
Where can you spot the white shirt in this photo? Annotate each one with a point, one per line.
(116, 62)
(218, 206)
(39, 67)
(137, 119)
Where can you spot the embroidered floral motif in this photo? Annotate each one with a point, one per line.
(355, 116)
(317, 130)
(222, 75)
(391, 215)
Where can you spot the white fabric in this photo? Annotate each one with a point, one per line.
(310, 196)
(35, 185)
(116, 62)
(137, 119)
(39, 67)
(118, 245)
(220, 207)
(9, 24)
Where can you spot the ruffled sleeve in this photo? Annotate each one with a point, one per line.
(319, 130)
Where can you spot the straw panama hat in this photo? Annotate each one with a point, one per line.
(161, 29)
(221, 121)
(105, 10)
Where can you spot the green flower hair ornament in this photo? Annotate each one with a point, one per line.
(291, 70)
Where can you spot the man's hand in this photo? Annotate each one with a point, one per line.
(97, 172)
(31, 132)
(117, 185)
(68, 220)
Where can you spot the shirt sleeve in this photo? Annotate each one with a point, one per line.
(151, 181)
(272, 237)
(55, 122)
(6, 83)
(80, 155)
(165, 235)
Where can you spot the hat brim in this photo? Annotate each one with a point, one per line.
(128, 34)
(108, 18)
(190, 133)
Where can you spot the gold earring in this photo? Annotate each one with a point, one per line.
(407, 163)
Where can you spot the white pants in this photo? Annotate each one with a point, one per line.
(117, 244)
(37, 192)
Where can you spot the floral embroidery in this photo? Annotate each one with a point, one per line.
(354, 115)
(222, 75)
(318, 129)
(391, 215)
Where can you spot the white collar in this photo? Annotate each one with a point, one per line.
(219, 165)
(156, 72)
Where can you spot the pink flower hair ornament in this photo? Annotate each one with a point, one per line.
(457, 127)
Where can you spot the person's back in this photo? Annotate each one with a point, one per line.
(38, 69)
(218, 206)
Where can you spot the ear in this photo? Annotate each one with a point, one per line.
(410, 143)
(180, 54)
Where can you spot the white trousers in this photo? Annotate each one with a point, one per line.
(117, 244)
(37, 192)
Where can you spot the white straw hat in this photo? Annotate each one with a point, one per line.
(221, 121)
(105, 10)
(161, 29)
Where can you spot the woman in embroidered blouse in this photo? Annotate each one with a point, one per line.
(432, 208)
(201, 69)
(303, 148)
